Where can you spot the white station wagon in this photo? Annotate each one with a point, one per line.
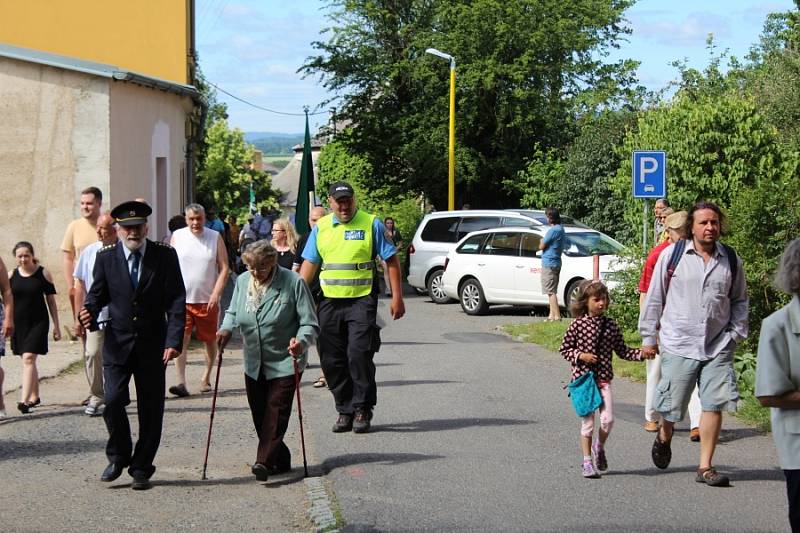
(504, 266)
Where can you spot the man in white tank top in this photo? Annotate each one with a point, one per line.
(204, 266)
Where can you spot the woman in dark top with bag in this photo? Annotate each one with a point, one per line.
(34, 293)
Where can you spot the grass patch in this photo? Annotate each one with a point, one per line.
(549, 335)
(752, 413)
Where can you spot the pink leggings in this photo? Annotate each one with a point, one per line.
(606, 412)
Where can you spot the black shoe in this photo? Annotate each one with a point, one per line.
(179, 390)
(140, 482)
(661, 453)
(274, 470)
(24, 408)
(260, 471)
(112, 472)
(343, 424)
(34, 404)
(361, 423)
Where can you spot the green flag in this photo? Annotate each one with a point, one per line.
(306, 186)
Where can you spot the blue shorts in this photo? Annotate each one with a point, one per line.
(715, 379)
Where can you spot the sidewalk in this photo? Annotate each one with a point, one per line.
(61, 355)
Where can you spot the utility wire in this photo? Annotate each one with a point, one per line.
(220, 89)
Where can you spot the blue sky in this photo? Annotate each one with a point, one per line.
(252, 48)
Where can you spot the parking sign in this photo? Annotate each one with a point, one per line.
(649, 174)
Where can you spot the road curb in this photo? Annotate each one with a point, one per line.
(320, 507)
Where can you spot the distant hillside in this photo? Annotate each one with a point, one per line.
(273, 143)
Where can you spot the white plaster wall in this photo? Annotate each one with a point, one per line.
(54, 142)
(147, 124)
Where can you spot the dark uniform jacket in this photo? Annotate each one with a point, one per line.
(147, 320)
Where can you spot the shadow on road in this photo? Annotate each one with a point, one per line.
(393, 459)
(401, 382)
(407, 343)
(445, 424)
(15, 449)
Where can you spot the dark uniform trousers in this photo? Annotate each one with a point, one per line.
(793, 492)
(349, 338)
(148, 376)
(271, 406)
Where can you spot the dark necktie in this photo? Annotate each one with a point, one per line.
(137, 257)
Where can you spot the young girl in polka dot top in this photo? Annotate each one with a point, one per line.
(588, 344)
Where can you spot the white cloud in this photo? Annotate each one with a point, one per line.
(692, 30)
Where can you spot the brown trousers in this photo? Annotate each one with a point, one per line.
(270, 403)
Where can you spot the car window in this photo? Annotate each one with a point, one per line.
(502, 244)
(530, 244)
(470, 224)
(517, 222)
(472, 245)
(586, 244)
(441, 230)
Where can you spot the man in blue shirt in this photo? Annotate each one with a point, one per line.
(344, 245)
(552, 246)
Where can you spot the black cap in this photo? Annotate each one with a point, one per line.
(131, 213)
(340, 189)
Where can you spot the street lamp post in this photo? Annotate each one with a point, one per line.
(451, 149)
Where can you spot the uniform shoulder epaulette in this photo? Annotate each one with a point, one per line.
(107, 248)
(162, 244)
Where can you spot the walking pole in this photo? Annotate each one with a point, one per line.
(213, 408)
(300, 414)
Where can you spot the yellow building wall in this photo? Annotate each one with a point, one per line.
(151, 37)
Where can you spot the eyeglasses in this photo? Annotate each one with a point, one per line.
(262, 270)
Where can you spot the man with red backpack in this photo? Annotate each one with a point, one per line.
(695, 314)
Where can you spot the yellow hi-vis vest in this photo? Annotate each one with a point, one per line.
(347, 256)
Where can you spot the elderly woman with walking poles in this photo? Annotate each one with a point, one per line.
(778, 376)
(275, 313)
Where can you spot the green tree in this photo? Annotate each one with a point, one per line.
(224, 180)
(525, 71)
(336, 163)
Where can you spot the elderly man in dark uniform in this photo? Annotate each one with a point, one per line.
(140, 281)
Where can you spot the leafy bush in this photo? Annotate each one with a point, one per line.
(625, 295)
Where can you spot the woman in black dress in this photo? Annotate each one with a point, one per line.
(32, 286)
(284, 240)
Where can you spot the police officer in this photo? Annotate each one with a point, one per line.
(344, 244)
(140, 281)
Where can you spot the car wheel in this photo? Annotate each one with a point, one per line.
(436, 289)
(471, 297)
(571, 293)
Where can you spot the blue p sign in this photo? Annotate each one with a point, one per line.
(649, 174)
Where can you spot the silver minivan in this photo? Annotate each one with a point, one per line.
(439, 232)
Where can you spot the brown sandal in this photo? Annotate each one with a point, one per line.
(712, 478)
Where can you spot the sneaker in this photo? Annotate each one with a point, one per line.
(93, 408)
(343, 424)
(361, 423)
(661, 453)
(712, 478)
(589, 471)
(3, 414)
(179, 390)
(694, 435)
(600, 457)
(651, 426)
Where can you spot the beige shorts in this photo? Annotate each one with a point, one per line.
(550, 280)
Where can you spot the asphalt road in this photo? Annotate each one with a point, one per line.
(473, 432)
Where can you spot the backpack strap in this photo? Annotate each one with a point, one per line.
(677, 253)
(733, 262)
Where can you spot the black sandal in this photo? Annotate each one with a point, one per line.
(661, 453)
